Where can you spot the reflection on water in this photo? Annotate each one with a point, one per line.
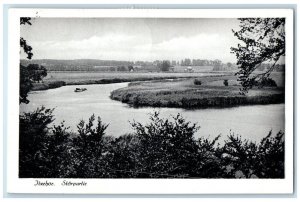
(251, 122)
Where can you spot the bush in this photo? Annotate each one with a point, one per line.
(197, 82)
(225, 82)
(121, 68)
(28, 75)
(56, 84)
(33, 143)
(167, 149)
(269, 82)
(163, 148)
(250, 160)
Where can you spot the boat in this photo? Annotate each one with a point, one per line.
(79, 90)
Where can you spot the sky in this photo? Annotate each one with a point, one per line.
(131, 39)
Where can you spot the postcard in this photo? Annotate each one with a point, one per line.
(150, 101)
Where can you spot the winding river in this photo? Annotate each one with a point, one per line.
(251, 122)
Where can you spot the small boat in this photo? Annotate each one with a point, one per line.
(80, 90)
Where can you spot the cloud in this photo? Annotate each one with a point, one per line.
(199, 46)
(137, 47)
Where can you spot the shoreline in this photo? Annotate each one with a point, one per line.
(187, 95)
(139, 94)
(205, 103)
(51, 84)
(46, 85)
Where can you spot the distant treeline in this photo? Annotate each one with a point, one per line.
(120, 66)
(219, 66)
(75, 65)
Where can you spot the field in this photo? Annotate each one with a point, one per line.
(57, 79)
(195, 68)
(184, 93)
(73, 77)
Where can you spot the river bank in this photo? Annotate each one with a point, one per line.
(185, 94)
(56, 84)
(59, 79)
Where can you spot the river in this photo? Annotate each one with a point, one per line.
(251, 122)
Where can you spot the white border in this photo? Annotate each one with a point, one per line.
(145, 186)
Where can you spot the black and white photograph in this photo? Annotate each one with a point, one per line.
(158, 97)
(152, 98)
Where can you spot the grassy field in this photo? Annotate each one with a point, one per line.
(58, 79)
(74, 77)
(77, 77)
(195, 68)
(184, 93)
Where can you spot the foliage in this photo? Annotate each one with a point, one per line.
(266, 82)
(121, 68)
(263, 40)
(250, 160)
(164, 66)
(130, 68)
(30, 74)
(112, 69)
(217, 64)
(225, 82)
(197, 82)
(162, 148)
(167, 148)
(23, 44)
(87, 150)
(33, 142)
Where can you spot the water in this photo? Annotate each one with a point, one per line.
(251, 122)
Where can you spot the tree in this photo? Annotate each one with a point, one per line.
(121, 68)
(112, 69)
(187, 62)
(225, 82)
(30, 74)
(263, 41)
(130, 68)
(165, 66)
(217, 65)
(27, 49)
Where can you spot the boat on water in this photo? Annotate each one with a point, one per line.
(79, 90)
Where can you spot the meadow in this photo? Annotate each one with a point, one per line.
(209, 92)
(61, 78)
(73, 77)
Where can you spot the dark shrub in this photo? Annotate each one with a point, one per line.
(89, 146)
(56, 84)
(249, 160)
(225, 82)
(162, 148)
(33, 143)
(268, 82)
(167, 148)
(197, 82)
